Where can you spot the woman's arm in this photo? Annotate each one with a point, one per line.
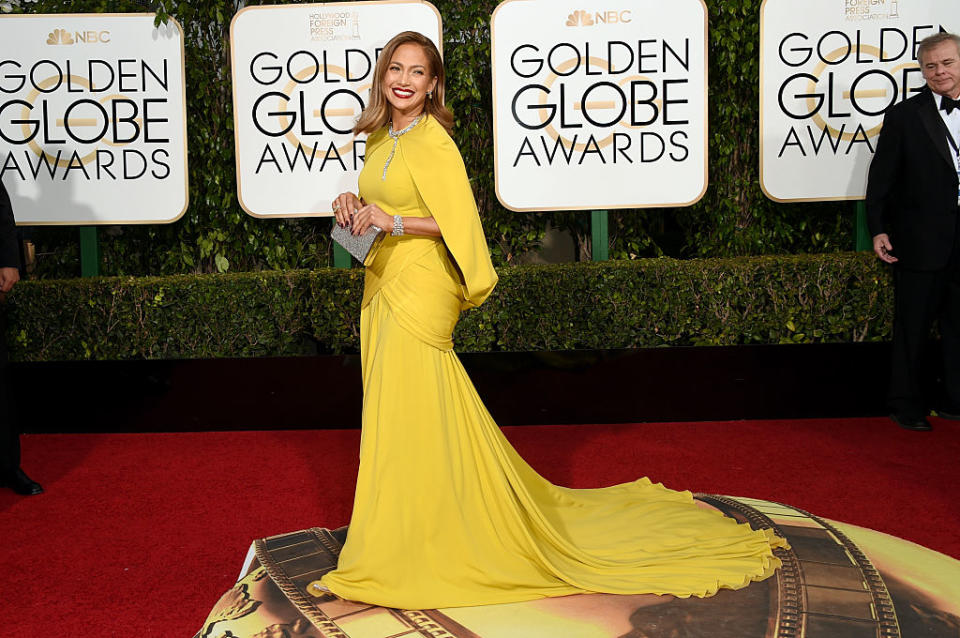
(426, 226)
(371, 214)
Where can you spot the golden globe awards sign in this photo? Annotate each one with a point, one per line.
(828, 70)
(92, 119)
(301, 77)
(599, 104)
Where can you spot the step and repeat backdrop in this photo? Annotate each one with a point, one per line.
(93, 119)
(598, 106)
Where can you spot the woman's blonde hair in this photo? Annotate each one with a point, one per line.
(377, 113)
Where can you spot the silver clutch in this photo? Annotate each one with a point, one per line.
(357, 245)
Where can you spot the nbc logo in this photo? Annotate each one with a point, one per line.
(579, 19)
(59, 36)
(582, 18)
(62, 36)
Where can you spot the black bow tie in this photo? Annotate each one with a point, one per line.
(948, 104)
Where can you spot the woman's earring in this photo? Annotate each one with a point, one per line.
(429, 95)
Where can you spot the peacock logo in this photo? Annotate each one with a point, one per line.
(60, 36)
(580, 19)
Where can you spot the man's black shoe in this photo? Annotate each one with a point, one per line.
(949, 413)
(21, 483)
(916, 424)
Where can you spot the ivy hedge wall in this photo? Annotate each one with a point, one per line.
(733, 219)
(841, 297)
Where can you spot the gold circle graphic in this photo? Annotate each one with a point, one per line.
(811, 87)
(291, 137)
(25, 113)
(552, 77)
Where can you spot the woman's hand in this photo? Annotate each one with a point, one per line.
(371, 215)
(344, 207)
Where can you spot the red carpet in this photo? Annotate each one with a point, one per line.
(140, 534)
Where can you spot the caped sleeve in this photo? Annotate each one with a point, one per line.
(441, 179)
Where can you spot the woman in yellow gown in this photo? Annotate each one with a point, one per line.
(446, 513)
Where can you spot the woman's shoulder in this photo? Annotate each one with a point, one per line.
(434, 127)
(431, 133)
(377, 137)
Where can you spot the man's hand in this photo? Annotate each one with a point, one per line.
(882, 247)
(8, 277)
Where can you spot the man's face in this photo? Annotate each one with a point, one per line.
(941, 69)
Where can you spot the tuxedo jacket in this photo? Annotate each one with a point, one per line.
(912, 184)
(9, 251)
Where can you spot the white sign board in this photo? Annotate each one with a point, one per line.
(301, 76)
(828, 70)
(93, 119)
(599, 105)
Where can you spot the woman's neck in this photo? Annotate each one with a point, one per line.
(401, 121)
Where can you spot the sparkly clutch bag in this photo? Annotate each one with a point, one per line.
(357, 245)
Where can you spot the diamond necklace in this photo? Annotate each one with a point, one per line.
(396, 140)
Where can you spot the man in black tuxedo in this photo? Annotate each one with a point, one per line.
(10, 473)
(913, 204)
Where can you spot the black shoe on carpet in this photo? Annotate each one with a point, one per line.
(918, 424)
(21, 483)
(950, 413)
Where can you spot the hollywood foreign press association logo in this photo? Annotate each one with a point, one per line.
(581, 18)
(859, 10)
(334, 25)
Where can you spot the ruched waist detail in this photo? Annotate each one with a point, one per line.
(422, 287)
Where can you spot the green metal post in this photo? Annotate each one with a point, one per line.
(863, 239)
(600, 235)
(341, 258)
(89, 252)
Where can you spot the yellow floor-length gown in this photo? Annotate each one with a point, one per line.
(446, 513)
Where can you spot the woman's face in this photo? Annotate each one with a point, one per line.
(407, 80)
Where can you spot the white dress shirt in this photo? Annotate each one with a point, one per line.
(953, 125)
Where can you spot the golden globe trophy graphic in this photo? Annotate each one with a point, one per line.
(92, 117)
(837, 581)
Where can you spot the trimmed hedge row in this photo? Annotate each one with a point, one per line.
(841, 297)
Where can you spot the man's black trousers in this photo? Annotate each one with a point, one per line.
(920, 297)
(9, 430)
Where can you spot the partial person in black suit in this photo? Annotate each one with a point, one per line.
(10, 473)
(913, 204)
